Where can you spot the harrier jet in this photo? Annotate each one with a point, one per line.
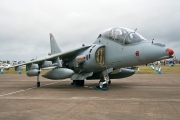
(106, 59)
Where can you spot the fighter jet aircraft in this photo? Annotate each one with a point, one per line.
(5, 66)
(106, 59)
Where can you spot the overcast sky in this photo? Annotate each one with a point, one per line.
(25, 24)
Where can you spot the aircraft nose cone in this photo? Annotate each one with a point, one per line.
(169, 51)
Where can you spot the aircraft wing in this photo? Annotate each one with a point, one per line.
(63, 55)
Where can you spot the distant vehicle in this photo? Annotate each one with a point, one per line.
(105, 59)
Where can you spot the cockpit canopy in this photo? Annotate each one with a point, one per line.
(123, 35)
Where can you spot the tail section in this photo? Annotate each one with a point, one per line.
(54, 47)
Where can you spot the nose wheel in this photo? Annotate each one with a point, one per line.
(103, 83)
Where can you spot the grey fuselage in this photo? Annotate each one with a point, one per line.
(119, 54)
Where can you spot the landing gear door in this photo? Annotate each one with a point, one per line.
(100, 56)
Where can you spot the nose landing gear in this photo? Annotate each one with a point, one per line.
(103, 83)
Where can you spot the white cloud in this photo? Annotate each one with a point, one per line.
(25, 25)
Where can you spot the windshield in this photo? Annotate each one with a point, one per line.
(123, 35)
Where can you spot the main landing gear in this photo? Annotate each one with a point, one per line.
(77, 83)
(103, 83)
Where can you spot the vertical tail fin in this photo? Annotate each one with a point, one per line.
(54, 47)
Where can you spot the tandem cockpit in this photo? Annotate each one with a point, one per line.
(123, 36)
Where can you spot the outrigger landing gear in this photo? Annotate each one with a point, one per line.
(38, 82)
(77, 83)
(103, 82)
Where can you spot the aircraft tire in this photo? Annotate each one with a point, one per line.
(38, 84)
(78, 83)
(109, 82)
(81, 83)
(101, 84)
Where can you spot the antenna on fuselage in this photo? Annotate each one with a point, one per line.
(152, 40)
